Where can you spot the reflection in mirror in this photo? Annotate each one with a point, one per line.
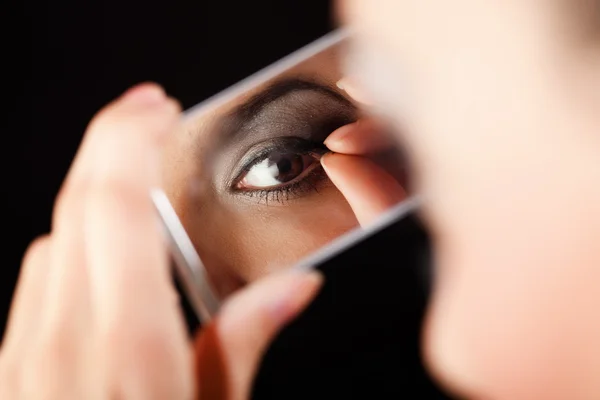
(246, 179)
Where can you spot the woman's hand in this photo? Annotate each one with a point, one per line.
(368, 187)
(95, 315)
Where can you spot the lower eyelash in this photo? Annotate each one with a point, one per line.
(286, 193)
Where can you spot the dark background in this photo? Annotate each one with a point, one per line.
(66, 59)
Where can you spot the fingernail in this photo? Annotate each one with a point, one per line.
(351, 89)
(323, 162)
(305, 287)
(146, 93)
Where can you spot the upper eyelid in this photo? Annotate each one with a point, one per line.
(263, 155)
(314, 123)
(285, 87)
(247, 166)
(288, 189)
(282, 143)
(329, 123)
(241, 117)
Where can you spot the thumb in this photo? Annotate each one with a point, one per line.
(363, 137)
(228, 351)
(367, 187)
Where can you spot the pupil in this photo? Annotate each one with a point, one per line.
(284, 166)
(289, 166)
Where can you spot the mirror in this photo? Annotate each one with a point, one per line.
(244, 173)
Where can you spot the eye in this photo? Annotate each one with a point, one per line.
(281, 169)
(278, 169)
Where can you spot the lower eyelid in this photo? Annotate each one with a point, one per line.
(312, 148)
(317, 152)
(296, 190)
(299, 178)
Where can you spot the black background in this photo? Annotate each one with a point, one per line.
(64, 60)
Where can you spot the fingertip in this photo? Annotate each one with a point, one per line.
(368, 188)
(174, 105)
(362, 137)
(352, 89)
(229, 349)
(268, 304)
(39, 246)
(303, 287)
(151, 97)
(331, 160)
(336, 141)
(172, 111)
(147, 92)
(336, 167)
(143, 107)
(325, 160)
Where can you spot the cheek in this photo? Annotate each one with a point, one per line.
(276, 240)
(213, 233)
(245, 242)
(514, 332)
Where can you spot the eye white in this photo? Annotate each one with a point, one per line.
(262, 175)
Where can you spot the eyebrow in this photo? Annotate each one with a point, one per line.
(232, 124)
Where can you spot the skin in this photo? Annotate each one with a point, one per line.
(514, 313)
(238, 238)
(79, 326)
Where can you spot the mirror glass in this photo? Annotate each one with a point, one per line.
(244, 172)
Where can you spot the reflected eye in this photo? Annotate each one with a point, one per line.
(277, 169)
(281, 169)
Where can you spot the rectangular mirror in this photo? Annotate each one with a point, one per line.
(244, 177)
(292, 169)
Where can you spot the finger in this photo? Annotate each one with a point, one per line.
(67, 293)
(148, 93)
(64, 333)
(228, 351)
(363, 137)
(146, 353)
(28, 300)
(369, 190)
(353, 90)
(68, 283)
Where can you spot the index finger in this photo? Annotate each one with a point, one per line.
(368, 189)
(146, 352)
(363, 137)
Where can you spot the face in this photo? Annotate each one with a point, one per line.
(245, 176)
(512, 316)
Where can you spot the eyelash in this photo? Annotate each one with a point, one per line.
(283, 193)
